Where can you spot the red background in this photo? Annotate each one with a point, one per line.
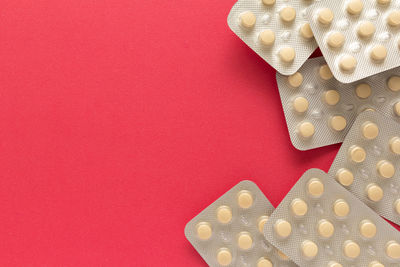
(121, 120)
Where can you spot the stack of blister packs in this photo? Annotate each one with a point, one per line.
(350, 95)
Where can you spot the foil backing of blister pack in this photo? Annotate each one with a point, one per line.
(326, 232)
(315, 87)
(286, 34)
(362, 34)
(376, 135)
(224, 238)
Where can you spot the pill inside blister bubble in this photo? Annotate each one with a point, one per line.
(300, 104)
(287, 14)
(283, 228)
(335, 40)
(351, 249)
(245, 241)
(247, 19)
(341, 208)
(331, 97)
(393, 19)
(393, 83)
(299, 207)
(395, 145)
(295, 80)
(354, 7)
(315, 187)
(363, 90)
(325, 16)
(334, 264)
(345, 177)
(393, 250)
(367, 229)
(309, 249)
(267, 37)
(338, 123)
(325, 228)
(204, 230)
(269, 2)
(374, 192)
(357, 154)
(261, 222)
(306, 129)
(224, 214)
(396, 108)
(369, 130)
(325, 72)
(385, 169)
(347, 63)
(245, 199)
(375, 264)
(224, 257)
(264, 262)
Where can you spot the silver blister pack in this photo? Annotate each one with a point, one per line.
(321, 224)
(278, 31)
(368, 163)
(319, 110)
(358, 38)
(229, 232)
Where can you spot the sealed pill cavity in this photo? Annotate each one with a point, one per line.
(351, 249)
(224, 214)
(396, 109)
(375, 264)
(334, 264)
(338, 123)
(331, 97)
(224, 257)
(325, 228)
(287, 54)
(347, 63)
(247, 19)
(295, 80)
(315, 187)
(335, 40)
(369, 130)
(397, 206)
(282, 255)
(394, 83)
(287, 14)
(357, 154)
(393, 250)
(395, 145)
(367, 229)
(366, 29)
(354, 7)
(325, 72)
(264, 262)
(268, 2)
(374, 192)
(306, 32)
(204, 230)
(283, 228)
(299, 207)
(306, 129)
(261, 222)
(325, 16)
(300, 104)
(245, 241)
(378, 53)
(341, 208)
(383, 2)
(394, 18)
(344, 177)
(385, 169)
(267, 37)
(309, 249)
(245, 199)
(363, 90)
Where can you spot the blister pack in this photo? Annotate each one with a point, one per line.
(358, 38)
(320, 110)
(229, 232)
(277, 30)
(368, 163)
(321, 224)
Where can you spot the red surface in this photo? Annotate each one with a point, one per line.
(121, 120)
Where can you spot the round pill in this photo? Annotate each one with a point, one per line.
(306, 129)
(341, 208)
(283, 228)
(315, 187)
(395, 145)
(264, 262)
(245, 199)
(335, 40)
(287, 14)
(397, 205)
(369, 130)
(354, 7)
(344, 177)
(351, 249)
(282, 255)
(393, 250)
(267, 37)
(224, 214)
(375, 264)
(334, 264)
(261, 222)
(295, 80)
(224, 257)
(299, 207)
(338, 123)
(396, 108)
(363, 90)
(331, 97)
(325, 228)
(204, 231)
(287, 54)
(394, 18)
(300, 104)
(383, 2)
(306, 32)
(309, 249)
(325, 16)
(367, 229)
(325, 72)
(374, 192)
(247, 19)
(357, 154)
(348, 63)
(385, 169)
(378, 53)
(268, 2)
(366, 29)
(394, 83)
(245, 241)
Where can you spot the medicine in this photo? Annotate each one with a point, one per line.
(379, 53)
(295, 80)
(283, 228)
(367, 229)
(345, 177)
(306, 31)
(245, 199)
(334, 264)
(299, 207)
(363, 90)
(385, 169)
(300, 104)
(288, 14)
(383, 2)
(393, 250)
(370, 130)
(336, 40)
(351, 249)
(325, 16)
(325, 72)
(348, 63)
(268, 2)
(315, 187)
(394, 18)
(376, 264)
(394, 83)
(264, 262)
(267, 37)
(224, 257)
(287, 54)
(204, 231)
(341, 208)
(357, 154)
(374, 192)
(325, 228)
(395, 145)
(245, 241)
(366, 29)
(306, 129)
(248, 19)
(338, 123)
(396, 108)
(261, 222)
(354, 7)
(310, 249)
(224, 214)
